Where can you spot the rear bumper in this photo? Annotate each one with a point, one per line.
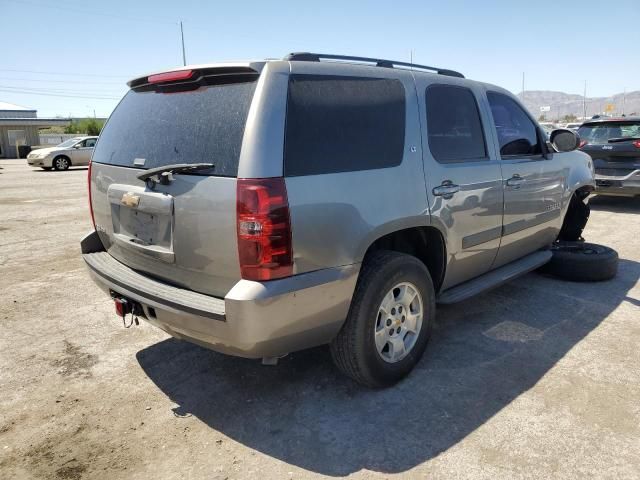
(627, 185)
(254, 319)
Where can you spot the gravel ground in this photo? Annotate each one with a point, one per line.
(537, 379)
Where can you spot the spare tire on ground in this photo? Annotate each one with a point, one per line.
(582, 262)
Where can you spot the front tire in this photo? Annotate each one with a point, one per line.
(389, 322)
(61, 163)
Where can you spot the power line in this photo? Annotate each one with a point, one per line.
(68, 74)
(83, 82)
(61, 90)
(101, 14)
(92, 97)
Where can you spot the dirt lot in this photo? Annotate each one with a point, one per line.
(538, 379)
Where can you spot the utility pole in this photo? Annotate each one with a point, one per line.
(184, 57)
(624, 99)
(584, 102)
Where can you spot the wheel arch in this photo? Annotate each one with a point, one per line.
(423, 242)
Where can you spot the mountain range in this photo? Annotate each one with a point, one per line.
(562, 104)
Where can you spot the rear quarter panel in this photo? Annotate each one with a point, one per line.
(336, 216)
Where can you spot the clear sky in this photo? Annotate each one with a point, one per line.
(74, 56)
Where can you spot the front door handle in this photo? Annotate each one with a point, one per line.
(446, 190)
(516, 181)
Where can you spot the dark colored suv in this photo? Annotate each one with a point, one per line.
(614, 145)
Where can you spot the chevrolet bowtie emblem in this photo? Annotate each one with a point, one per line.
(130, 199)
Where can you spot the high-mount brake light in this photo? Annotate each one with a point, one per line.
(170, 76)
(264, 229)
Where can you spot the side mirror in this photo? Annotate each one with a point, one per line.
(564, 140)
(77, 145)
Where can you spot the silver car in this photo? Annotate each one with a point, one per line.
(74, 152)
(265, 207)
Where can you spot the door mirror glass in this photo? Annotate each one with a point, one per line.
(77, 145)
(564, 140)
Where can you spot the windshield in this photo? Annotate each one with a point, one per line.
(150, 129)
(69, 143)
(600, 133)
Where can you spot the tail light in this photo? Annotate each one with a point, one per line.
(264, 229)
(636, 143)
(582, 143)
(93, 220)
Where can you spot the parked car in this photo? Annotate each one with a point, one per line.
(267, 207)
(74, 152)
(614, 146)
(573, 126)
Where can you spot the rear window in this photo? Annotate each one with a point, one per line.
(155, 129)
(602, 132)
(340, 124)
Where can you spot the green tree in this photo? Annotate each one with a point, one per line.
(542, 118)
(85, 126)
(569, 118)
(93, 128)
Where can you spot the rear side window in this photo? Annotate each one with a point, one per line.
(517, 134)
(340, 124)
(155, 129)
(453, 124)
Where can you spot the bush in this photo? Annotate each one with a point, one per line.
(86, 126)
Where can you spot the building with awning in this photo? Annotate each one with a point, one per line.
(19, 126)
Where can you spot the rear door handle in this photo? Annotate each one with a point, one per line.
(516, 181)
(446, 190)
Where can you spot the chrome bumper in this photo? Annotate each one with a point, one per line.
(623, 185)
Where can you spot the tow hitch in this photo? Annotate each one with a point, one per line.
(124, 307)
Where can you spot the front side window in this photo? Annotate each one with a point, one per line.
(517, 133)
(342, 124)
(453, 124)
(90, 143)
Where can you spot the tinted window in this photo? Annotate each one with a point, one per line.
(453, 124)
(200, 126)
(91, 142)
(602, 132)
(517, 133)
(338, 124)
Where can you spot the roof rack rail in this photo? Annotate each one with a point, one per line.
(316, 57)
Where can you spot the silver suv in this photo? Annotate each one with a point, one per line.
(266, 207)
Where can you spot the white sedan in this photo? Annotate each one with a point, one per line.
(73, 152)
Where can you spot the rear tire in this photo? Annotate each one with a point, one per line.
(61, 163)
(582, 262)
(364, 349)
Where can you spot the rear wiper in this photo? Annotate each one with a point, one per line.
(622, 139)
(164, 175)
